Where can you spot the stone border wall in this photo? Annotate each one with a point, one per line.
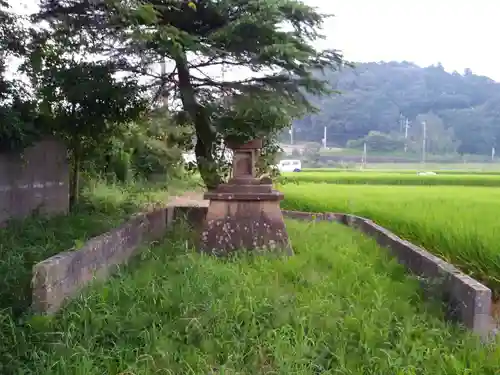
(63, 276)
(34, 180)
(466, 300)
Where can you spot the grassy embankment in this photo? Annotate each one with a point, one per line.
(458, 223)
(340, 306)
(24, 243)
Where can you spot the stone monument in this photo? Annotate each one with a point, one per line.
(244, 213)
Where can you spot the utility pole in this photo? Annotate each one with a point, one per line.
(424, 138)
(324, 137)
(291, 134)
(363, 159)
(407, 126)
(401, 121)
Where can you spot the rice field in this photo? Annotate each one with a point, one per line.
(339, 306)
(404, 171)
(394, 178)
(458, 223)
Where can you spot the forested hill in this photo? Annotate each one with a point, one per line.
(462, 111)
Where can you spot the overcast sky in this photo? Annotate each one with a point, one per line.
(458, 33)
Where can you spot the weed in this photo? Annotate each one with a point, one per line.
(24, 243)
(339, 306)
(456, 223)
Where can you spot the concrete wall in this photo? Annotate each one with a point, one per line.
(35, 180)
(62, 276)
(465, 299)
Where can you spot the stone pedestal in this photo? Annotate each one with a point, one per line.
(245, 213)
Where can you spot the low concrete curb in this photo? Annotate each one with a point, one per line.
(466, 300)
(192, 212)
(62, 276)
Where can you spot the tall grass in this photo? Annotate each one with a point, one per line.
(459, 224)
(392, 178)
(24, 243)
(340, 306)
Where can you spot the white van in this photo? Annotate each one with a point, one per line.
(290, 166)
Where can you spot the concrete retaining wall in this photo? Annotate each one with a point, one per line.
(61, 277)
(466, 300)
(64, 275)
(34, 180)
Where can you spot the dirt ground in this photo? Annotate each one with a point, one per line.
(189, 197)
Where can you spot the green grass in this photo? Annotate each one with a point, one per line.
(393, 178)
(459, 224)
(401, 171)
(339, 306)
(472, 167)
(24, 243)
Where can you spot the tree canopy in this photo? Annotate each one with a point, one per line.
(461, 110)
(17, 109)
(55, 88)
(273, 40)
(90, 71)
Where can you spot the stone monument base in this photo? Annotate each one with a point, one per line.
(245, 213)
(244, 221)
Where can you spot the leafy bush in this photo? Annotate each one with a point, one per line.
(145, 149)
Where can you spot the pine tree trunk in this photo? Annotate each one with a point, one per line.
(205, 135)
(74, 189)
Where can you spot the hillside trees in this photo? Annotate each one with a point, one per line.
(271, 39)
(439, 138)
(375, 95)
